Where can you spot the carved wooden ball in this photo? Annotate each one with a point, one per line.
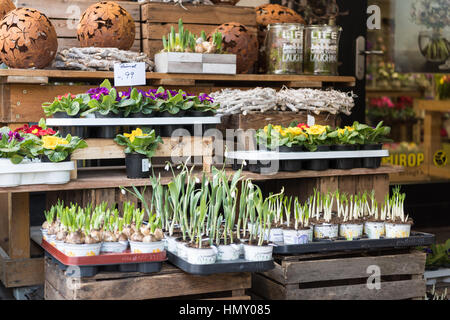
(5, 7)
(27, 39)
(106, 24)
(274, 13)
(238, 39)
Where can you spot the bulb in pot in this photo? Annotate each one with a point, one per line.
(61, 235)
(137, 236)
(122, 237)
(45, 225)
(75, 238)
(159, 235)
(149, 238)
(109, 236)
(90, 240)
(97, 235)
(127, 231)
(145, 230)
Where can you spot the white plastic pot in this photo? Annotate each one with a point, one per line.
(114, 247)
(146, 247)
(201, 256)
(292, 236)
(82, 250)
(44, 234)
(228, 252)
(351, 231)
(60, 245)
(276, 235)
(252, 227)
(171, 244)
(397, 230)
(181, 250)
(51, 238)
(258, 253)
(374, 230)
(326, 231)
(241, 246)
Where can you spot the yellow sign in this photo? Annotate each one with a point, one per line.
(405, 159)
(440, 158)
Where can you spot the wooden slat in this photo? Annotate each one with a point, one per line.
(19, 225)
(4, 226)
(352, 268)
(433, 105)
(392, 290)
(73, 9)
(20, 272)
(27, 80)
(204, 14)
(51, 293)
(172, 147)
(381, 187)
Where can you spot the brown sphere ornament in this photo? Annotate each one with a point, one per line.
(238, 39)
(5, 7)
(106, 24)
(27, 39)
(274, 13)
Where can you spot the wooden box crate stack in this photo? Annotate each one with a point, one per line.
(169, 283)
(159, 17)
(65, 16)
(344, 276)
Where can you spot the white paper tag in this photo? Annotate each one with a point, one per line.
(310, 120)
(301, 239)
(146, 165)
(129, 74)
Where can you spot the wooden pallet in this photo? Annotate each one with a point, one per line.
(169, 283)
(158, 18)
(65, 16)
(344, 276)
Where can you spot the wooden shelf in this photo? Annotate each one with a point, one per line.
(433, 105)
(97, 178)
(155, 78)
(378, 92)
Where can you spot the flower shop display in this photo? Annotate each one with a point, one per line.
(28, 39)
(140, 146)
(321, 49)
(443, 87)
(432, 43)
(185, 52)
(98, 59)
(234, 101)
(106, 24)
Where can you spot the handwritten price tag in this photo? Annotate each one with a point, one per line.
(129, 74)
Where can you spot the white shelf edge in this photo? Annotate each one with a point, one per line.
(272, 155)
(157, 121)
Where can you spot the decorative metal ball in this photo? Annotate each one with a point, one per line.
(238, 39)
(27, 39)
(5, 7)
(274, 13)
(106, 24)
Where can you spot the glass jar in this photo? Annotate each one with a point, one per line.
(322, 49)
(284, 48)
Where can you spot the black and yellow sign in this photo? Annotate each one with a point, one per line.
(405, 159)
(440, 158)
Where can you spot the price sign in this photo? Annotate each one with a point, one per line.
(129, 74)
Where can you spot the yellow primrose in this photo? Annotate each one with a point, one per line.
(349, 129)
(316, 130)
(51, 142)
(135, 133)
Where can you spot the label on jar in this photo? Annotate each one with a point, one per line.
(293, 46)
(324, 46)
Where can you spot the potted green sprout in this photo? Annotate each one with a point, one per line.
(397, 224)
(142, 241)
(301, 232)
(374, 224)
(114, 240)
(351, 226)
(325, 227)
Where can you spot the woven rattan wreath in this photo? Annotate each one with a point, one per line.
(238, 39)
(274, 13)
(106, 24)
(27, 39)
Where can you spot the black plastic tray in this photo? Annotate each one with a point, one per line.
(240, 265)
(415, 239)
(92, 270)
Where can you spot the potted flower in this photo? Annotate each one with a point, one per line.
(345, 140)
(325, 226)
(57, 149)
(374, 224)
(67, 106)
(301, 233)
(147, 239)
(280, 206)
(351, 226)
(139, 148)
(114, 240)
(373, 139)
(317, 141)
(397, 224)
(202, 106)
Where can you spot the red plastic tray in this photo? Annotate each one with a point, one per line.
(104, 258)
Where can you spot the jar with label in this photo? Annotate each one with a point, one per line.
(321, 49)
(284, 48)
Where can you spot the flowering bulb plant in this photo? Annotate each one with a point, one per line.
(443, 87)
(385, 108)
(276, 136)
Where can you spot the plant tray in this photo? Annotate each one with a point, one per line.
(155, 121)
(113, 262)
(255, 155)
(414, 240)
(13, 175)
(240, 265)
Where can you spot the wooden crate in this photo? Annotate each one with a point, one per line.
(159, 17)
(173, 147)
(169, 283)
(65, 16)
(343, 276)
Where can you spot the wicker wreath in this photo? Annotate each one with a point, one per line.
(106, 24)
(27, 39)
(5, 7)
(238, 39)
(274, 13)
